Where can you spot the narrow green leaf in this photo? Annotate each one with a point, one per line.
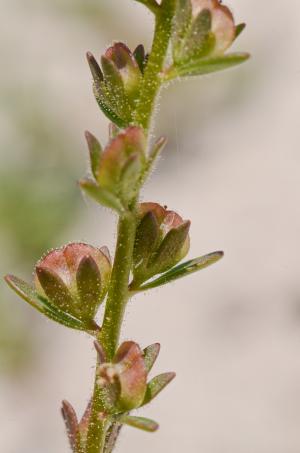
(101, 195)
(156, 385)
(142, 423)
(167, 254)
(150, 355)
(239, 29)
(206, 65)
(184, 269)
(41, 304)
(95, 150)
(89, 286)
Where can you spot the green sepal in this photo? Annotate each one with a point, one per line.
(167, 253)
(239, 29)
(109, 112)
(95, 150)
(115, 88)
(199, 41)
(56, 290)
(147, 235)
(89, 286)
(156, 385)
(206, 65)
(182, 22)
(158, 147)
(41, 304)
(145, 424)
(184, 269)
(150, 355)
(129, 177)
(101, 195)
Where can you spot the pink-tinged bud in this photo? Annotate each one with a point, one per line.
(162, 240)
(125, 378)
(74, 278)
(222, 23)
(126, 64)
(117, 82)
(123, 382)
(122, 162)
(202, 29)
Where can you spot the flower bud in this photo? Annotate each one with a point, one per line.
(162, 240)
(202, 28)
(127, 66)
(123, 382)
(74, 278)
(125, 377)
(116, 85)
(120, 168)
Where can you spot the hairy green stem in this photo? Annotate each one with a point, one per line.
(118, 293)
(109, 336)
(152, 80)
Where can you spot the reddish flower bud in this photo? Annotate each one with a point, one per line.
(126, 377)
(203, 28)
(125, 62)
(117, 84)
(162, 240)
(119, 169)
(74, 278)
(222, 23)
(124, 380)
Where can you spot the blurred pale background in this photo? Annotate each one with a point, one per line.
(232, 332)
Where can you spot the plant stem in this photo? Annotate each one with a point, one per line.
(113, 317)
(152, 81)
(118, 293)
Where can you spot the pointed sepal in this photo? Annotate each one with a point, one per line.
(89, 287)
(101, 195)
(150, 355)
(170, 250)
(71, 423)
(95, 151)
(156, 385)
(239, 29)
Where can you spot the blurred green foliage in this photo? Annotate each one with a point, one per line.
(38, 202)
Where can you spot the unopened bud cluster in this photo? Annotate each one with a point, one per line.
(162, 240)
(117, 81)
